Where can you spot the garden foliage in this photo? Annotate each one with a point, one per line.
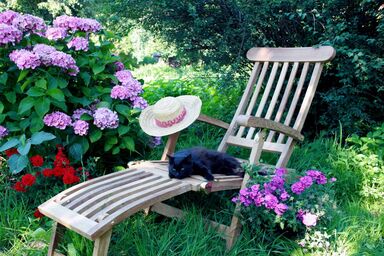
(65, 79)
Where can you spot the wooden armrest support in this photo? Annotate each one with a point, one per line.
(214, 121)
(258, 122)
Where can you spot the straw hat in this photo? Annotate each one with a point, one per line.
(170, 115)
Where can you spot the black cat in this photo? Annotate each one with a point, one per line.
(202, 162)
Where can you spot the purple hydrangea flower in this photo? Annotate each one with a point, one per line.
(105, 118)
(3, 132)
(44, 52)
(124, 76)
(58, 120)
(9, 34)
(55, 33)
(7, 17)
(75, 23)
(65, 61)
(154, 142)
(79, 112)
(29, 23)
(25, 59)
(318, 176)
(119, 66)
(80, 127)
(79, 43)
(280, 209)
(120, 92)
(139, 102)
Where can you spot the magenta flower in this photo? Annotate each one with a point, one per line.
(7, 17)
(78, 43)
(333, 179)
(297, 188)
(80, 127)
(9, 34)
(318, 176)
(58, 120)
(270, 201)
(280, 171)
(119, 66)
(309, 219)
(307, 181)
(105, 118)
(25, 59)
(3, 132)
(55, 33)
(280, 209)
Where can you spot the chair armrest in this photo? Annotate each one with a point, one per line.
(214, 121)
(258, 122)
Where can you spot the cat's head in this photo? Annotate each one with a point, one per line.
(180, 167)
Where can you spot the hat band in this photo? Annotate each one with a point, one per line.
(178, 119)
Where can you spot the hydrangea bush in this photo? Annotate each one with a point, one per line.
(64, 79)
(298, 203)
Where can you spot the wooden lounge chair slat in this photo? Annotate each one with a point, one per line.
(68, 218)
(284, 99)
(80, 203)
(101, 186)
(135, 206)
(103, 205)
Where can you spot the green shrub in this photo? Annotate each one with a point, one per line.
(60, 79)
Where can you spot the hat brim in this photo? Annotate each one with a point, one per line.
(192, 106)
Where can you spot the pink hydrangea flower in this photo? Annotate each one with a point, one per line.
(79, 112)
(29, 23)
(79, 43)
(44, 52)
(58, 120)
(120, 92)
(9, 34)
(25, 59)
(7, 17)
(119, 66)
(139, 102)
(105, 118)
(124, 76)
(75, 23)
(309, 219)
(65, 61)
(80, 127)
(55, 33)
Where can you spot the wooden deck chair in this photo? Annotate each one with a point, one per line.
(269, 117)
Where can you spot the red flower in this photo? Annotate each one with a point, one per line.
(70, 178)
(38, 214)
(28, 180)
(58, 171)
(47, 172)
(61, 159)
(10, 152)
(19, 187)
(37, 160)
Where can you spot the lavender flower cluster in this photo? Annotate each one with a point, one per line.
(46, 55)
(269, 196)
(129, 89)
(24, 23)
(3, 132)
(74, 24)
(78, 43)
(103, 118)
(9, 34)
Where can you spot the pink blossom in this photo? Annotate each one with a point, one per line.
(139, 102)
(309, 219)
(120, 92)
(75, 23)
(80, 127)
(78, 43)
(7, 17)
(333, 179)
(280, 209)
(44, 51)
(105, 118)
(9, 34)
(55, 33)
(29, 23)
(58, 120)
(25, 59)
(119, 66)
(124, 76)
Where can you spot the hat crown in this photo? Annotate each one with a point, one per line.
(167, 109)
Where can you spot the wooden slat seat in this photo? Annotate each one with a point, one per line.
(93, 207)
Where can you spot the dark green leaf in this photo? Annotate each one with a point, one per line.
(3, 78)
(86, 117)
(25, 105)
(95, 135)
(36, 124)
(98, 69)
(11, 97)
(62, 82)
(129, 143)
(123, 109)
(1, 107)
(122, 129)
(40, 137)
(36, 92)
(76, 151)
(41, 83)
(86, 77)
(56, 94)
(22, 74)
(115, 150)
(42, 106)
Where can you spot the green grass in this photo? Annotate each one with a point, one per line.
(357, 226)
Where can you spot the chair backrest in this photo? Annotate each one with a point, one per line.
(281, 88)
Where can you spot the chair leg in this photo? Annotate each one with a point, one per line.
(234, 229)
(58, 231)
(102, 244)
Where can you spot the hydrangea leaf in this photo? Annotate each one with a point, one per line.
(40, 137)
